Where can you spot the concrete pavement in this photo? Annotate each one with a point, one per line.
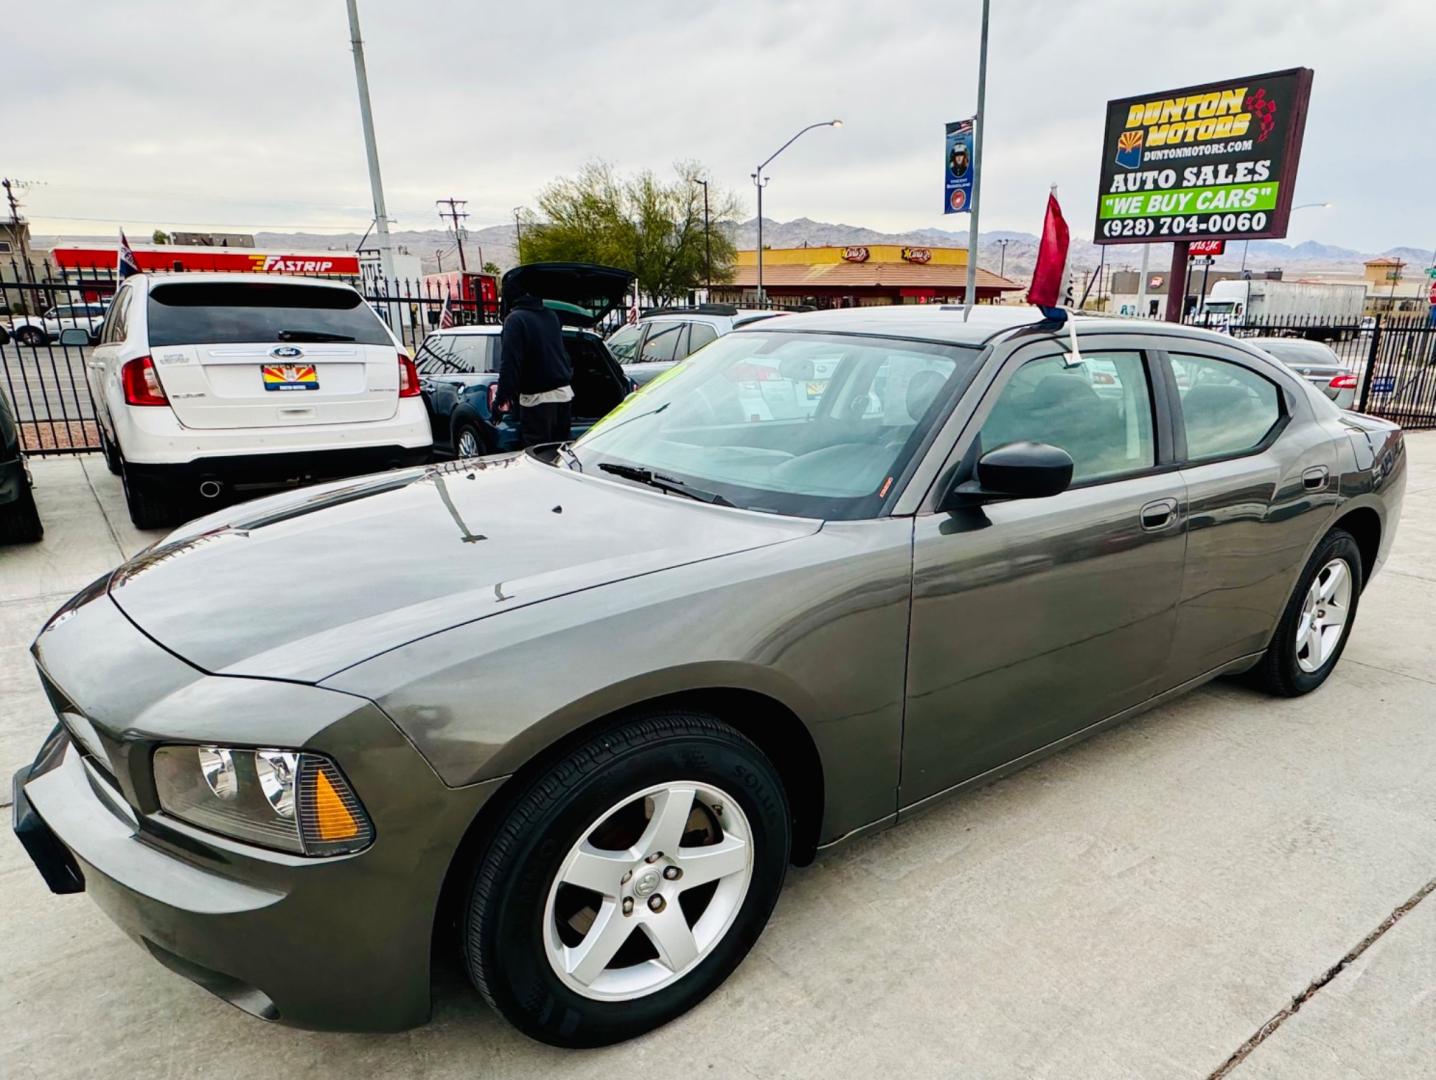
(1146, 904)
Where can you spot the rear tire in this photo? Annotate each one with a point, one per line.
(468, 441)
(676, 781)
(1302, 655)
(150, 506)
(113, 461)
(20, 521)
(32, 336)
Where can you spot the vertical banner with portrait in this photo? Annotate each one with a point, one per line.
(958, 168)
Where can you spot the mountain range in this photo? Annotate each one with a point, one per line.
(1015, 257)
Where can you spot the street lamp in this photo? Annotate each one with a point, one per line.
(1002, 264)
(707, 246)
(1304, 206)
(759, 181)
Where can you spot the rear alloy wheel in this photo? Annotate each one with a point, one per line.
(1317, 621)
(628, 881)
(32, 336)
(467, 443)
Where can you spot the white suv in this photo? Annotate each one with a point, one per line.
(220, 384)
(38, 329)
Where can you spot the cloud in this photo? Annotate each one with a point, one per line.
(245, 115)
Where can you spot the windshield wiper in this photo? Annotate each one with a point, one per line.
(663, 483)
(311, 335)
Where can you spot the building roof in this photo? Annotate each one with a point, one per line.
(838, 275)
(1385, 260)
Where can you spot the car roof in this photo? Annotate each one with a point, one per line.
(203, 277)
(487, 329)
(945, 323)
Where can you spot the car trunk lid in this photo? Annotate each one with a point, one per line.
(581, 293)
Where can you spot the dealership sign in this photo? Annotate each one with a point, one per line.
(1208, 162)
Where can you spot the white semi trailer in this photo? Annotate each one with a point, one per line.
(1261, 302)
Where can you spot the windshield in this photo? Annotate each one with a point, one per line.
(814, 425)
(1219, 307)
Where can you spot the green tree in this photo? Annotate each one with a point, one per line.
(160, 237)
(639, 223)
(492, 267)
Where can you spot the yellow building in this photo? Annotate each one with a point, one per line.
(860, 275)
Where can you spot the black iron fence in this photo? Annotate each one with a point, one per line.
(1393, 358)
(47, 380)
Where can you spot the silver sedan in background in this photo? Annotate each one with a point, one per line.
(1317, 363)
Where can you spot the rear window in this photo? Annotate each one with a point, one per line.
(458, 354)
(233, 312)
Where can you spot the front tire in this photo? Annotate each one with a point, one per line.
(1317, 621)
(628, 881)
(113, 461)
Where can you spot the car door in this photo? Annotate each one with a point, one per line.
(1260, 473)
(1034, 619)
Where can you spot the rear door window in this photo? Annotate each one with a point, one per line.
(1228, 410)
(700, 334)
(624, 343)
(216, 313)
(458, 354)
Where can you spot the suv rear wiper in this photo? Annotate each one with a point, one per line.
(663, 483)
(311, 335)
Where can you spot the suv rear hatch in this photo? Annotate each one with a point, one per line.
(581, 294)
(261, 354)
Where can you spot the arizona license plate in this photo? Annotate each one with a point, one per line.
(290, 377)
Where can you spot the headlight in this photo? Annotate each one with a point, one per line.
(282, 799)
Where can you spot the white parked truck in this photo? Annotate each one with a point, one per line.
(1261, 302)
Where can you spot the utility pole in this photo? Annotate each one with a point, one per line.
(707, 245)
(1142, 284)
(979, 122)
(518, 234)
(455, 214)
(371, 149)
(16, 222)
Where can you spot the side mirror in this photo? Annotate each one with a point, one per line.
(1020, 470)
(74, 336)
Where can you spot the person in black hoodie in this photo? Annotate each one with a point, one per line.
(535, 372)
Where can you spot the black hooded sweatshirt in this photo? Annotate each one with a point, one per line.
(532, 357)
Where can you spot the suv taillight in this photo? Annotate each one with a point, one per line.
(1343, 382)
(493, 395)
(142, 383)
(408, 377)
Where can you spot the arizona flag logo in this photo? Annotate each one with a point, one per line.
(1129, 149)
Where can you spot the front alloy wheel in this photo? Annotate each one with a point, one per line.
(627, 879)
(648, 892)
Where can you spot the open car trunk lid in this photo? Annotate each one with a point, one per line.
(270, 354)
(587, 292)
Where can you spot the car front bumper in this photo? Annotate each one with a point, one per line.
(340, 943)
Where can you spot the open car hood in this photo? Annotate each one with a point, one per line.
(582, 293)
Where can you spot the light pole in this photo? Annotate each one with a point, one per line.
(759, 181)
(371, 149)
(979, 121)
(1002, 261)
(518, 235)
(1304, 206)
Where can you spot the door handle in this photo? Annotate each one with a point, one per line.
(1156, 516)
(1314, 478)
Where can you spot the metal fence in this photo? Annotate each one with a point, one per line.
(47, 381)
(1393, 357)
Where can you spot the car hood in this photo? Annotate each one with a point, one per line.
(582, 293)
(303, 585)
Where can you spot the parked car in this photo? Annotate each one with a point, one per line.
(19, 517)
(459, 367)
(214, 385)
(1315, 362)
(573, 713)
(37, 330)
(664, 336)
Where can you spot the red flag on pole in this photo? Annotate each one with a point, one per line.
(1051, 269)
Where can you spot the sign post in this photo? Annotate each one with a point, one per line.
(1214, 162)
(979, 121)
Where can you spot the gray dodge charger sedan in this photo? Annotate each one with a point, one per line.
(571, 714)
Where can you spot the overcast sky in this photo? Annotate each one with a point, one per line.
(244, 115)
